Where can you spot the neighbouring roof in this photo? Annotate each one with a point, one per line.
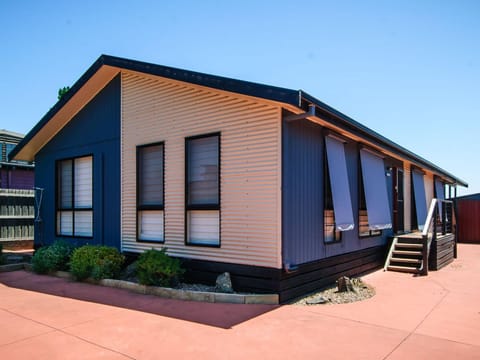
(10, 136)
(106, 67)
(469, 197)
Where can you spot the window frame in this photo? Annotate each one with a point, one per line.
(203, 207)
(73, 209)
(139, 207)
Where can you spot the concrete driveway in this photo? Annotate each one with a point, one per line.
(433, 317)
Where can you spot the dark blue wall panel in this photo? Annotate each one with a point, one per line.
(302, 194)
(95, 130)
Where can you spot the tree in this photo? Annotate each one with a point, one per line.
(63, 91)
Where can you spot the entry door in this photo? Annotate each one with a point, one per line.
(398, 209)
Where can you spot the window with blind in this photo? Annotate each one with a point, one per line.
(75, 197)
(150, 211)
(203, 190)
(374, 212)
(338, 213)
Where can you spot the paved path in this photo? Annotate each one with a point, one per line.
(435, 317)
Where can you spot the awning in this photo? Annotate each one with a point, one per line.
(337, 168)
(375, 187)
(439, 193)
(420, 198)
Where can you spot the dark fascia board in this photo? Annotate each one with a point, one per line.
(278, 94)
(341, 120)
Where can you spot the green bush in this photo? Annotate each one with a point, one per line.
(157, 268)
(52, 258)
(98, 262)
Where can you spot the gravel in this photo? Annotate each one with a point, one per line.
(330, 295)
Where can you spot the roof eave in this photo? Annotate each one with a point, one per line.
(343, 121)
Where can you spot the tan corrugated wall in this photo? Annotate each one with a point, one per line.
(407, 196)
(156, 109)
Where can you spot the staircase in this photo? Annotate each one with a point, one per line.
(410, 252)
(406, 254)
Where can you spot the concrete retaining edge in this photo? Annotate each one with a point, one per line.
(164, 292)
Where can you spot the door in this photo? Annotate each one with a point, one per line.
(398, 209)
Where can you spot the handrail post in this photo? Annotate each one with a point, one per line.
(444, 217)
(425, 254)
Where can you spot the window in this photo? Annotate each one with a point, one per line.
(75, 197)
(338, 214)
(374, 210)
(8, 149)
(203, 190)
(150, 214)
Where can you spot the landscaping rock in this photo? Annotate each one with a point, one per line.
(224, 283)
(344, 284)
(316, 300)
(333, 296)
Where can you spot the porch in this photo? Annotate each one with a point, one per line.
(430, 249)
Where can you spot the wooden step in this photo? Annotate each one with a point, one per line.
(408, 245)
(407, 269)
(405, 260)
(407, 253)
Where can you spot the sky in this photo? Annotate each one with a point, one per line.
(409, 70)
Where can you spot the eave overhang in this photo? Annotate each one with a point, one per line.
(107, 67)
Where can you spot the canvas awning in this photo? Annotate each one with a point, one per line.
(439, 193)
(420, 198)
(337, 169)
(375, 187)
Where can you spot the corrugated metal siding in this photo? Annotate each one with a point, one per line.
(95, 131)
(303, 192)
(468, 213)
(407, 196)
(303, 188)
(156, 109)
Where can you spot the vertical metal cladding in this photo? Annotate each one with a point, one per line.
(156, 109)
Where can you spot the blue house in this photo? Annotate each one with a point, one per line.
(270, 184)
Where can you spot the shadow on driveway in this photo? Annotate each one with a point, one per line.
(219, 315)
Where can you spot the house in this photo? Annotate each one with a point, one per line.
(13, 174)
(16, 196)
(270, 184)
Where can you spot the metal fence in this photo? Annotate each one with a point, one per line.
(17, 212)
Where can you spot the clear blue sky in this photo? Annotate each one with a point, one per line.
(407, 69)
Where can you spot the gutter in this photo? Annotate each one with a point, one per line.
(341, 120)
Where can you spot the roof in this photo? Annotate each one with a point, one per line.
(106, 67)
(469, 197)
(10, 136)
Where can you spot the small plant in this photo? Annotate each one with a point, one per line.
(52, 258)
(155, 267)
(98, 262)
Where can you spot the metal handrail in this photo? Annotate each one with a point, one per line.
(390, 253)
(429, 223)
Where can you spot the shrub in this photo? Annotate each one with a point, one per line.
(98, 262)
(52, 258)
(157, 268)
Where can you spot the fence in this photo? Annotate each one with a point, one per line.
(17, 212)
